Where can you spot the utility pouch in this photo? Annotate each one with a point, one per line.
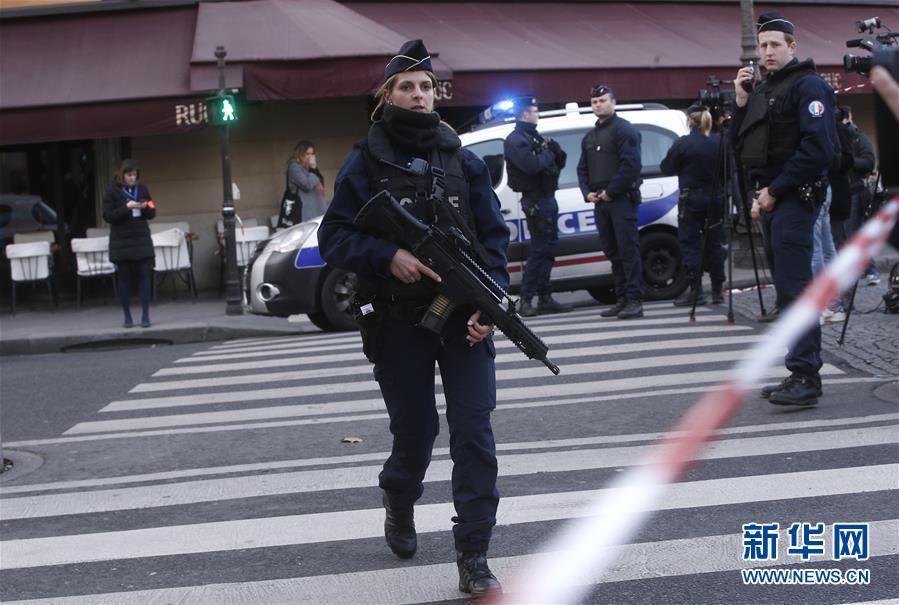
(371, 325)
(813, 194)
(682, 203)
(635, 197)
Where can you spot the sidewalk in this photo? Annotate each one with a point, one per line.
(38, 328)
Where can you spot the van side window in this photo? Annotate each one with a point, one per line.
(492, 154)
(654, 146)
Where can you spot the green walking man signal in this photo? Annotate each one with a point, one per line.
(221, 110)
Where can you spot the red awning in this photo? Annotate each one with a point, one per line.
(97, 75)
(644, 51)
(313, 49)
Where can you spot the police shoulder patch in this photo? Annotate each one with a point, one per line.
(816, 109)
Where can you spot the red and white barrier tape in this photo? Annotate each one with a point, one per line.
(849, 88)
(579, 555)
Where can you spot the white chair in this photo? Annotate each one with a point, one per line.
(156, 227)
(247, 223)
(30, 262)
(273, 221)
(92, 260)
(97, 232)
(34, 236)
(172, 257)
(246, 241)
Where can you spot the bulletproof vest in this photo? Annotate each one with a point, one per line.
(519, 181)
(768, 135)
(421, 195)
(602, 156)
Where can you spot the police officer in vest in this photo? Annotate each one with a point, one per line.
(609, 177)
(694, 159)
(412, 154)
(533, 164)
(786, 139)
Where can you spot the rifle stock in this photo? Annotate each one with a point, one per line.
(464, 281)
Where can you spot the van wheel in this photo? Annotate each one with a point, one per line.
(320, 321)
(337, 291)
(604, 295)
(663, 271)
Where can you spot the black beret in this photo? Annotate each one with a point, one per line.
(696, 108)
(600, 90)
(773, 21)
(413, 56)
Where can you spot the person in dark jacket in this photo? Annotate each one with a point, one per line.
(609, 177)
(534, 164)
(700, 213)
(786, 138)
(127, 206)
(405, 147)
(860, 196)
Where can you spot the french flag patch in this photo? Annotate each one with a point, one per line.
(816, 109)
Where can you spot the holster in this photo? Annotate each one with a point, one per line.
(370, 319)
(813, 194)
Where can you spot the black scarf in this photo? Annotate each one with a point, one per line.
(412, 130)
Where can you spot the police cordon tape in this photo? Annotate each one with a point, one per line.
(576, 559)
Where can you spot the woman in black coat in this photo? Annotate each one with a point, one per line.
(127, 206)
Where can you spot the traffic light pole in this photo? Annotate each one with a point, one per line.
(233, 303)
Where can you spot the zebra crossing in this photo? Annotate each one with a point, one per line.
(233, 482)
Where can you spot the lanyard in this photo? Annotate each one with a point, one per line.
(131, 195)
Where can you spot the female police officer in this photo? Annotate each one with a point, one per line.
(399, 288)
(694, 158)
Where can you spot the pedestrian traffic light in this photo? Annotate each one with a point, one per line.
(221, 110)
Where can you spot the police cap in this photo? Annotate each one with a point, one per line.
(600, 90)
(520, 103)
(696, 108)
(773, 21)
(413, 56)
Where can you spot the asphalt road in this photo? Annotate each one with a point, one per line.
(218, 473)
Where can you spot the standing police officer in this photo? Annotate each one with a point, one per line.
(609, 177)
(785, 137)
(419, 160)
(694, 159)
(533, 164)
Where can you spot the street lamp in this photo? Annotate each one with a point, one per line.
(221, 111)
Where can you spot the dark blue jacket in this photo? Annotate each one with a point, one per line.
(694, 159)
(520, 150)
(627, 144)
(817, 130)
(342, 245)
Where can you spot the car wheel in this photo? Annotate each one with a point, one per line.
(337, 291)
(605, 295)
(663, 271)
(321, 322)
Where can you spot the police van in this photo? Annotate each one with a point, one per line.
(288, 275)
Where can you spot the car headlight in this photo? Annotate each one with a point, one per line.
(292, 238)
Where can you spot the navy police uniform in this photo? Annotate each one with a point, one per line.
(786, 138)
(610, 161)
(405, 354)
(694, 159)
(533, 167)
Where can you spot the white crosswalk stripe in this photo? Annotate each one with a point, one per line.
(108, 534)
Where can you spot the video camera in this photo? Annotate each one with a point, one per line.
(884, 52)
(718, 101)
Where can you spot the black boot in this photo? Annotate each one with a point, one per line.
(686, 297)
(399, 526)
(547, 304)
(632, 310)
(475, 578)
(798, 389)
(525, 309)
(768, 390)
(717, 295)
(614, 310)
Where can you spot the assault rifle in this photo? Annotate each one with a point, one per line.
(464, 281)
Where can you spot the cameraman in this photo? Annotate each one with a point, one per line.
(533, 164)
(785, 137)
(694, 159)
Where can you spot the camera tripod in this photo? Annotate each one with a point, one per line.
(721, 212)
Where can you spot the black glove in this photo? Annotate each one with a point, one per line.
(558, 152)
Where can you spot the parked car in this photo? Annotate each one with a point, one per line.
(23, 213)
(288, 276)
